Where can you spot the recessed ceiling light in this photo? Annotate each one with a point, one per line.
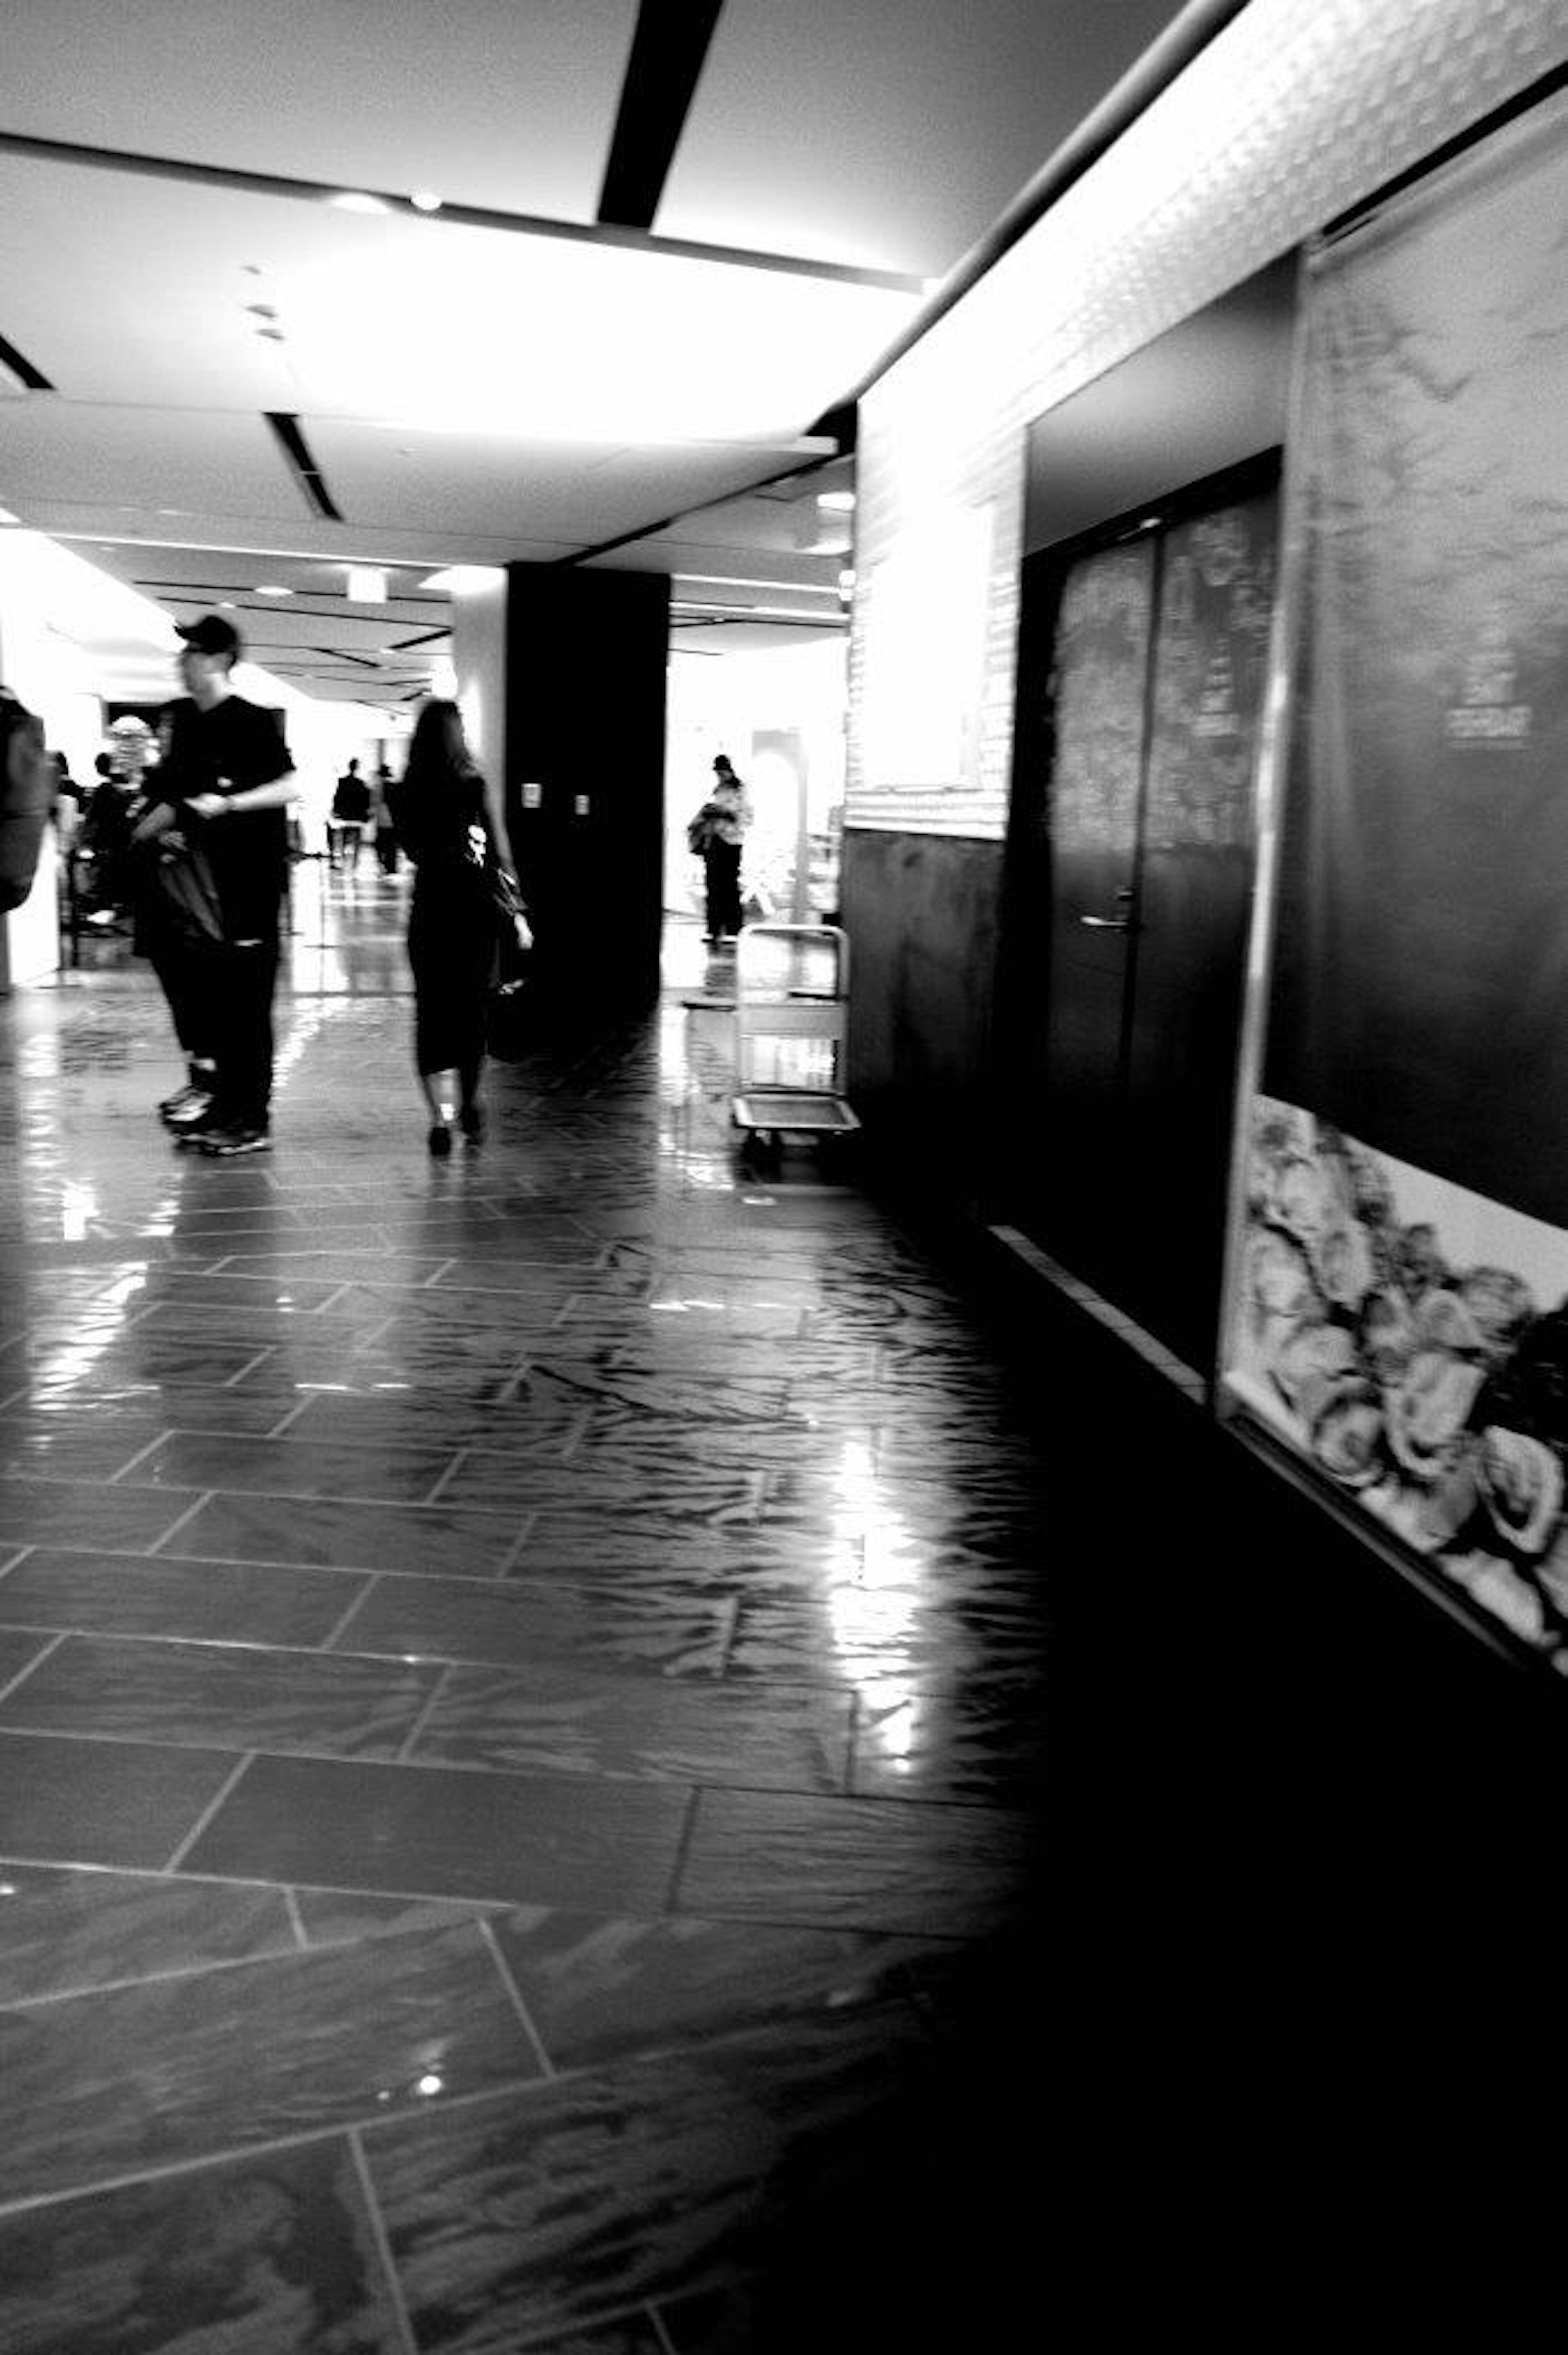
(425, 200)
(272, 589)
(356, 200)
(227, 605)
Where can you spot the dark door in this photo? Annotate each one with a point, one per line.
(1099, 697)
(1153, 691)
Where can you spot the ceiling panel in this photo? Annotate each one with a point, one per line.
(886, 135)
(153, 461)
(217, 298)
(263, 540)
(491, 103)
(462, 485)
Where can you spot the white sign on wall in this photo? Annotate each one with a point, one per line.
(923, 611)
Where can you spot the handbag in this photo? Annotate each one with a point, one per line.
(508, 1013)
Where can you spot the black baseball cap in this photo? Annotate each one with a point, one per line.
(211, 636)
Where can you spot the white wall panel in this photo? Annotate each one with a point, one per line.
(1289, 117)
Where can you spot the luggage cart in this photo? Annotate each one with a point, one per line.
(791, 993)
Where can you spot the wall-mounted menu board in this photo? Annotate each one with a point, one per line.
(1216, 606)
(1101, 686)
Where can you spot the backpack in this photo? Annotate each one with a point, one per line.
(26, 792)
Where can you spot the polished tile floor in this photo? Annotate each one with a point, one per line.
(523, 1685)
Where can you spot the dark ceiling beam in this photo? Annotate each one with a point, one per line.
(31, 378)
(301, 464)
(668, 51)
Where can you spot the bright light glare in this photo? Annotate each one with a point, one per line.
(272, 589)
(840, 502)
(357, 200)
(529, 336)
(465, 579)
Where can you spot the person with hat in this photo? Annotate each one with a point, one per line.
(227, 767)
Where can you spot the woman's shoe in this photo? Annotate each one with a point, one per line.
(440, 1140)
(470, 1120)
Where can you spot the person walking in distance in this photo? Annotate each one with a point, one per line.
(350, 811)
(715, 834)
(451, 822)
(228, 767)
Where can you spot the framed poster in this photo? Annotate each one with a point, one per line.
(1400, 1267)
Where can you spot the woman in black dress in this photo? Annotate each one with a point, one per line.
(451, 822)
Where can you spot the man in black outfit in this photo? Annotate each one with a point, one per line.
(350, 809)
(226, 765)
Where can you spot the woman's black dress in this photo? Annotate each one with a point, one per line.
(452, 923)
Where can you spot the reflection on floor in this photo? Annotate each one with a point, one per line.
(519, 1704)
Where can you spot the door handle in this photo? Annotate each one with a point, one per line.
(1108, 923)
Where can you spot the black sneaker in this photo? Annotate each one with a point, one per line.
(224, 1144)
(184, 1110)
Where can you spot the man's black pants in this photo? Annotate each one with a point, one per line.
(243, 975)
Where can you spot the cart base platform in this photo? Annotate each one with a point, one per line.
(763, 1110)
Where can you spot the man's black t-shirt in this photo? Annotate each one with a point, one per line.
(247, 851)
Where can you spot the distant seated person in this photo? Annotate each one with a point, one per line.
(102, 844)
(350, 814)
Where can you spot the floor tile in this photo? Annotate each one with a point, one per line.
(156, 1594)
(601, 1989)
(296, 1466)
(734, 1551)
(521, 1420)
(340, 1917)
(125, 1803)
(527, 2214)
(181, 1287)
(120, 2080)
(159, 1406)
(564, 1722)
(854, 1863)
(433, 1538)
(18, 1653)
(63, 1928)
(965, 1744)
(50, 1512)
(234, 1697)
(871, 1635)
(657, 1631)
(54, 1448)
(273, 2255)
(444, 1832)
(683, 1492)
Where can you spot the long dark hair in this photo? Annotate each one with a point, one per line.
(438, 750)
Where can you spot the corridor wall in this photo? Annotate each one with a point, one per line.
(1289, 118)
(1288, 123)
